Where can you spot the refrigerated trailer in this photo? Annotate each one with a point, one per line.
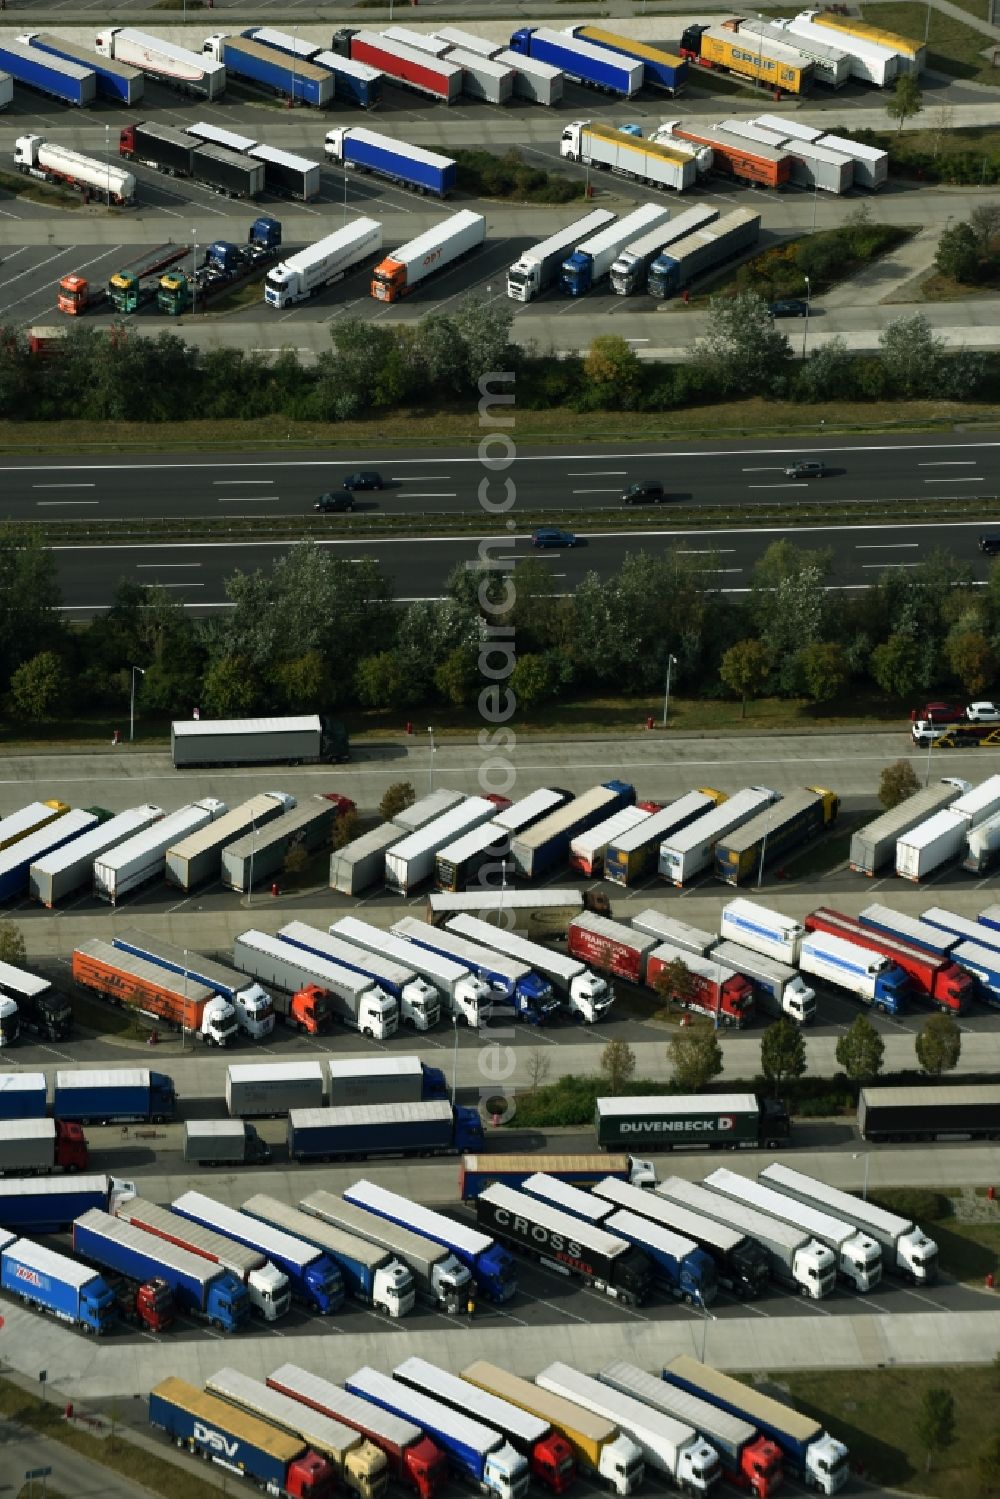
(630, 857)
(409, 66)
(143, 857)
(198, 856)
(249, 741)
(655, 163)
(689, 851)
(258, 856)
(537, 268)
(62, 871)
(188, 72)
(545, 844)
(409, 863)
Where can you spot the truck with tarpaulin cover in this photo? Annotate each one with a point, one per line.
(728, 1121)
(629, 857)
(961, 1111)
(660, 69)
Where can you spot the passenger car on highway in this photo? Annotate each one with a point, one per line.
(551, 536)
(335, 499)
(789, 307)
(644, 492)
(940, 713)
(806, 468)
(365, 478)
(989, 544)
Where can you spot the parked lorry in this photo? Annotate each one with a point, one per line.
(867, 61)
(275, 72)
(34, 156)
(198, 1286)
(932, 843)
(743, 853)
(350, 997)
(176, 1001)
(795, 1257)
(732, 1121)
(223, 1142)
(36, 1147)
(548, 1454)
(537, 268)
(197, 857)
(386, 960)
(934, 976)
(748, 1460)
(304, 740)
(765, 931)
(250, 1003)
(930, 936)
(384, 1080)
(966, 1110)
(471, 859)
(258, 856)
(480, 1171)
(528, 993)
(594, 66)
(464, 994)
(23, 1095)
(592, 260)
(868, 975)
(266, 1286)
(208, 1427)
(269, 1089)
(680, 1266)
(603, 1260)
(610, 946)
(359, 1465)
(318, 990)
(586, 850)
(193, 73)
(17, 825)
(482, 77)
(536, 81)
(361, 863)
(778, 65)
(354, 81)
(328, 261)
(42, 1009)
(682, 262)
(115, 1095)
(492, 1268)
(711, 987)
(906, 1249)
(690, 850)
(370, 1275)
(143, 857)
(630, 272)
(114, 80)
(43, 1205)
(313, 1278)
(629, 857)
(858, 1256)
(16, 860)
(545, 844)
(668, 1446)
(56, 76)
(582, 994)
(367, 1131)
(410, 1457)
(740, 1263)
(778, 989)
(480, 1454)
(409, 66)
(227, 172)
(982, 846)
(50, 1282)
(287, 175)
(438, 1276)
(809, 1451)
(63, 871)
(161, 147)
(871, 165)
(538, 913)
(597, 1445)
(660, 69)
(362, 150)
(406, 268)
(655, 163)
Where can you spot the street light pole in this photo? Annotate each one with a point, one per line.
(805, 326)
(671, 662)
(930, 746)
(454, 1059)
(253, 850)
(763, 846)
(430, 762)
(867, 1160)
(131, 711)
(194, 270)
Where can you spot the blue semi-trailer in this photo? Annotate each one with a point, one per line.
(492, 1267)
(53, 1283)
(289, 78)
(386, 1129)
(313, 1277)
(355, 148)
(355, 82)
(123, 1095)
(48, 1205)
(23, 1095)
(199, 1286)
(597, 67)
(115, 80)
(66, 81)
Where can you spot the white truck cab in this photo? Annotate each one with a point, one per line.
(393, 1291)
(218, 1022)
(270, 1293)
(419, 1005)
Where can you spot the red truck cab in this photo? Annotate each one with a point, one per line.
(551, 1461)
(71, 1147)
(760, 1469)
(426, 1467)
(309, 1010)
(310, 1477)
(154, 1305)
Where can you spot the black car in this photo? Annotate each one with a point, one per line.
(551, 536)
(336, 499)
(805, 468)
(789, 307)
(989, 544)
(365, 478)
(644, 492)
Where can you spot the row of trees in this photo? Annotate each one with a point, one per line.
(321, 632)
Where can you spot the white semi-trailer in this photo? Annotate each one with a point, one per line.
(330, 259)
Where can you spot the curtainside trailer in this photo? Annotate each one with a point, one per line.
(630, 272)
(49, 1282)
(198, 856)
(354, 82)
(367, 1131)
(483, 78)
(48, 74)
(965, 1110)
(537, 849)
(538, 82)
(288, 176)
(686, 853)
(368, 152)
(660, 69)
(49, 1205)
(582, 994)
(16, 861)
(304, 740)
(272, 71)
(258, 856)
(630, 857)
(411, 67)
(143, 857)
(582, 61)
(63, 871)
(114, 80)
(732, 1121)
(409, 863)
(537, 268)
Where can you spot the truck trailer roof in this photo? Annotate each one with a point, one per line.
(227, 1220)
(324, 1435)
(318, 1393)
(48, 1262)
(589, 1235)
(558, 1411)
(689, 1103)
(757, 1405)
(482, 1405)
(422, 1220)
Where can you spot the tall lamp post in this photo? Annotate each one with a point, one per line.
(930, 746)
(131, 710)
(867, 1160)
(430, 762)
(805, 326)
(253, 850)
(671, 662)
(454, 1058)
(194, 270)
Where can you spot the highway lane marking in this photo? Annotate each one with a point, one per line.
(409, 478)
(704, 552)
(427, 495)
(955, 481)
(246, 499)
(881, 566)
(244, 481)
(42, 504)
(145, 566)
(777, 486)
(90, 484)
(613, 490)
(597, 473)
(886, 546)
(950, 463)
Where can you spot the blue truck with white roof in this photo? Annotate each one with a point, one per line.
(357, 149)
(124, 1095)
(48, 1205)
(530, 995)
(356, 82)
(199, 1286)
(313, 1277)
(289, 78)
(115, 80)
(56, 76)
(358, 1131)
(679, 1266)
(53, 1283)
(492, 1267)
(474, 1450)
(23, 1095)
(597, 67)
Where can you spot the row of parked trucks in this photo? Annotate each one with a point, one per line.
(949, 820)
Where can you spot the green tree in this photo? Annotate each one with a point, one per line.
(676, 983)
(484, 329)
(617, 1065)
(972, 659)
(935, 1424)
(533, 680)
(346, 828)
(695, 1055)
(612, 361)
(897, 665)
(39, 685)
(229, 687)
(905, 101)
(984, 221)
(988, 1467)
(744, 669)
(898, 782)
(782, 1051)
(395, 799)
(824, 670)
(457, 677)
(295, 860)
(382, 681)
(304, 682)
(828, 373)
(959, 253)
(12, 948)
(860, 1050)
(912, 355)
(29, 598)
(938, 1045)
(743, 349)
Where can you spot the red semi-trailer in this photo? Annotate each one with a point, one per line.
(718, 991)
(946, 985)
(418, 70)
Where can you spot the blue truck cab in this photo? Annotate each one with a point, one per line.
(265, 233)
(678, 1263)
(114, 1096)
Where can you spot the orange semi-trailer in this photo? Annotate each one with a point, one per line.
(766, 166)
(173, 999)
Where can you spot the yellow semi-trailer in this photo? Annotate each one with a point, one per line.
(598, 1446)
(781, 66)
(28, 820)
(912, 55)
